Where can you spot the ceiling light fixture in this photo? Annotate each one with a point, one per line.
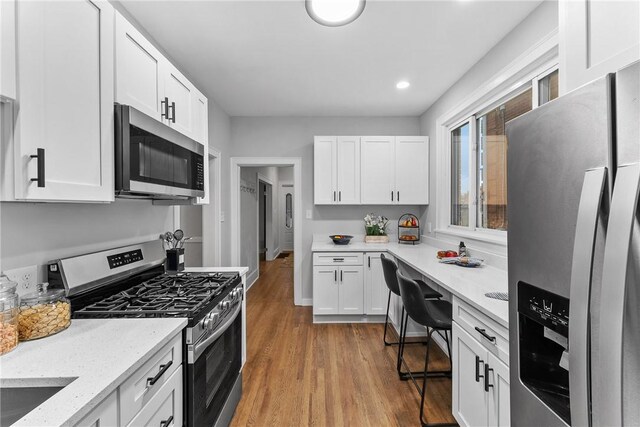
(402, 84)
(334, 13)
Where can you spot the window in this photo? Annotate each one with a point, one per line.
(479, 156)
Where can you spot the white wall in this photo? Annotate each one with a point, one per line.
(542, 21)
(293, 137)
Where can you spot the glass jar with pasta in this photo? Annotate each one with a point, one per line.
(43, 313)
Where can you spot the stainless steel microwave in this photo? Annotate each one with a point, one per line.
(154, 161)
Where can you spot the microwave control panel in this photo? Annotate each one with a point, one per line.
(124, 258)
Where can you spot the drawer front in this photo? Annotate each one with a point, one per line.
(338, 258)
(137, 391)
(165, 408)
(483, 329)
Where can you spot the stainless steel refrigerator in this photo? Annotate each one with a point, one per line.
(574, 257)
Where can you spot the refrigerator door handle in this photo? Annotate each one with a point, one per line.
(607, 402)
(581, 272)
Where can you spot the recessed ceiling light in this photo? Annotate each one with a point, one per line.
(403, 84)
(334, 13)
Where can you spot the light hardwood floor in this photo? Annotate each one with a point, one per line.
(301, 374)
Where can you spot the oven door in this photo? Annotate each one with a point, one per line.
(212, 370)
(155, 160)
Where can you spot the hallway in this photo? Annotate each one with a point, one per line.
(301, 374)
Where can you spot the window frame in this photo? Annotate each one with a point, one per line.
(526, 71)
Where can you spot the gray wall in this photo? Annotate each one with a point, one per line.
(293, 137)
(542, 21)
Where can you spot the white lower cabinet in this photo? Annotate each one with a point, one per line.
(351, 290)
(325, 290)
(338, 284)
(376, 293)
(151, 396)
(480, 383)
(105, 414)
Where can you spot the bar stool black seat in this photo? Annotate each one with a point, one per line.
(435, 316)
(389, 268)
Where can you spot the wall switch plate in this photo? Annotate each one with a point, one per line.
(309, 214)
(25, 277)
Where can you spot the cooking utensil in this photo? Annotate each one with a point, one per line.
(182, 242)
(168, 237)
(177, 235)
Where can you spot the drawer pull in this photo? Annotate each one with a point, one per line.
(338, 260)
(483, 332)
(163, 368)
(478, 362)
(487, 369)
(166, 422)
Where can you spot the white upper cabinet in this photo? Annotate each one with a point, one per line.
(348, 169)
(412, 170)
(65, 101)
(596, 38)
(7, 50)
(378, 178)
(147, 81)
(325, 170)
(337, 170)
(139, 70)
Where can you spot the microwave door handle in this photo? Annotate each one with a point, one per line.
(581, 274)
(607, 404)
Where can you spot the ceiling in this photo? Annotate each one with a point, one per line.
(268, 58)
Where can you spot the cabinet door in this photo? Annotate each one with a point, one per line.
(7, 49)
(140, 69)
(377, 179)
(499, 401)
(165, 408)
(181, 103)
(105, 414)
(348, 170)
(351, 290)
(376, 293)
(65, 86)
(201, 134)
(412, 170)
(324, 170)
(325, 290)
(470, 401)
(596, 38)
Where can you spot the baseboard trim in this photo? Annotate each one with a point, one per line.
(306, 302)
(250, 281)
(340, 318)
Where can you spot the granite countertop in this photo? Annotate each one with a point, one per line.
(92, 356)
(468, 284)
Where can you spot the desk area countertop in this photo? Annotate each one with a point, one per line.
(468, 284)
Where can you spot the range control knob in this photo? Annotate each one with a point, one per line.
(225, 305)
(213, 319)
(207, 324)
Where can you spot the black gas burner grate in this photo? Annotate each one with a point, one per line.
(181, 295)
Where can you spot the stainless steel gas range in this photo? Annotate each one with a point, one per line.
(131, 282)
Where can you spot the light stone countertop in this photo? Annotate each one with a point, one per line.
(94, 356)
(468, 284)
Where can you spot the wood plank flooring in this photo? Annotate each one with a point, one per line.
(301, 374)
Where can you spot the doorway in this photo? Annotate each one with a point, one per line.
(239, 227)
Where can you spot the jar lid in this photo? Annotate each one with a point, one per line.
(43, 295)
(6, 285)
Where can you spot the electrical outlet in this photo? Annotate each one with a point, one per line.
(25, 277)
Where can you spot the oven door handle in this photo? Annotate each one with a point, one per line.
(200, 347)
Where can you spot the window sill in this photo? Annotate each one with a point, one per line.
(479, 236)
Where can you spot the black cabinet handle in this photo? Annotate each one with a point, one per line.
(334, 196)
(483, 332)
(487, 386)
(340, 276)
(398, 198)
(173, 112)
(339, 196)
(392, 196)
(163, 369)
(165, 106)
(338, 259)
(166, 422)
(40, 157)
(369, 260)
(478, 362)
(335, 276)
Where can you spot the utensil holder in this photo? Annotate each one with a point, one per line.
(175, 260)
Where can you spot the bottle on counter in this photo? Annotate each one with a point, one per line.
(462, 250)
